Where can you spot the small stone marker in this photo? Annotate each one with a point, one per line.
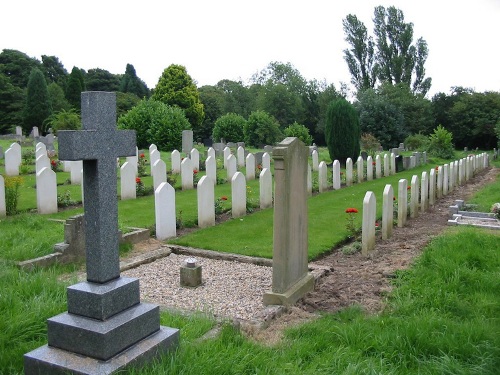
(402, 202)
(322, 177)
(187, 174)
(315, 162)
(291, 279)
(238, 195)
(3, 207)
(165, 211)
(46, 191)
(250, 167)
(387, 211)
(336, 175)
(206, 203)
(348, 172)
(187, 141)
(414, 195)
(360, 167)
(128, 184)
(231, 166)
(106, 327)
(369, 168)
(190, 273)
(175, 160)
(195, 159)
(266, 189)
(368, 225)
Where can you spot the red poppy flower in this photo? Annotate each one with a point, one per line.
(137, 180)
(142, 156)
(351, 210)
(408, 188)
(259, 166)
(437, 168)
(393, 198)
(53, 163)
(195, 171)
(374, 163)
(223, 198)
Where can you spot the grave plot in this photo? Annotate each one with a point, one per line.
(460, 216)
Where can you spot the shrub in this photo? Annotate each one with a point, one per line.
(230, 127)
(63, 120)
(12, 192)
(299, 131)
(370, 144)
(440, 143)
(261, 128)
(416, 142)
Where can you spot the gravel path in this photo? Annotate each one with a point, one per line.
(229, 289)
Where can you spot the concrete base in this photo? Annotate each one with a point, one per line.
(293, 294)
(50, 360)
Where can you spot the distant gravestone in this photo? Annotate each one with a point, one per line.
(414, 196)
(154, 156)
(187, 174)
(165, 212)
(206, 203)
(315, 160)
(227, 152)
(12, 160)
(76, 172)
(238, 195)
(195, 159)
(364, 155)
(387, 212)
(250, 167)
(40, 149)
(231, 166)
(451, 182)
(393, 163)
(387, 170)
(211, 169)
(159, 173)
(175, 158)
(424, 192)
(266, 161)
(240, 153)
(368, 224)
(439, 182)
(41, 162)
(34, 132)
(3, 207)
(187, 141)
(219, 149)
(445, 179)
(266, 189)
(211, 152)
(378, 167)
(348, 172)
(360, 169)
(128, 184)
(402, 202)
(291, 279)
(46, 191)
(309, 180)
(134, 160)
(19, 131)
(1, 152)
(268, 149)
(336, 175)
(369, 168)
(432, 187)
(258, 158)
(106, 327)
(322, 177)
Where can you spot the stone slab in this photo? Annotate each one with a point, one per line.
(103, 340)
(292, 294)
(101, 301)
(50, 360)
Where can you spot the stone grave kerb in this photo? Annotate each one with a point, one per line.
(98, 145)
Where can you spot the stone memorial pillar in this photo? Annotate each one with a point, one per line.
(187, 141)
(291, 279)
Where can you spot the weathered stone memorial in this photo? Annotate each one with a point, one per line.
(106, 327)
(291, 279)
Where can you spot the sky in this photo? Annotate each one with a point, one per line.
(231, 39)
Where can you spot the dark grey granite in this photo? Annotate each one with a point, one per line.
(53, 361)
(102, 301)
(98, 145)
(103, 339)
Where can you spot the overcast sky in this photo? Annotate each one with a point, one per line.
(231, 39)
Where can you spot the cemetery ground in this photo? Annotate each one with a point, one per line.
(438, 316)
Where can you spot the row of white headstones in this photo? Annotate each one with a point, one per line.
(424, 191)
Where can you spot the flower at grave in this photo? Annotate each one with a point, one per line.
(223, 198)
(408, 188)
(138, 180)
(142, 156)
(259, 167)
(351, 210)
(350, 225)
(195, 171)
(374, 163)
(437, 168)
(53, 162)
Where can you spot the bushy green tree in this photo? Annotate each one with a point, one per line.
(212, 98)
(155, 122)
(101, 80)
(125, 102)
(37, 107)
(299, 131)
(57, 98)
(176, 88)
(230, 127)
(441, 143)
(63, 120)
(12, 100)
(130, 83)
(54, 70)
(342, 131)
(262, 129)
(416, 142)
(74, 87)
(17, 66)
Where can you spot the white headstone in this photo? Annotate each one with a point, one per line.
(315, 160)
(211, 152)
(165, 211)
(424, 192)
(348, 172)
(461, 172)
(369, 168)
(46, 191)
(387, 170)
(378, 167)
(159, 173)
(387, 212)
(133, 161)
(211, 169)
(250, 167)
(309, 186)
(195, 159)
(76, 172)
(12, 161)
(238, 195)
(175, 159)
(432, 187)
(266, 188)
(360, 167)
(322, 177)
(439, 182)
(154, 156)
(451, 177)
(41, 162)
(187, 141)
(206, 202)
(127, 181)
(66, 165)
(414, 195)
(187, 174)
(3, 206)
(368, 224)
(240, 153)
(266, 161)
(445, 179)
(393, 163)
(227, 152)
(151, 148)
(40, 149)
(402, 202)
(231, 166)
(336, 175)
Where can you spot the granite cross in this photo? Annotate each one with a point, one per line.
(98, 145)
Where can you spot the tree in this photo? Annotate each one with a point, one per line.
(75, 87)
(261, 129)
(17, 66)
(12, 100)
(125, 102)
(176, 88)
(230, 127)
(236, 97)
(101, 80)
(54, 70)
(299, 131)
(155, 122)
(64, 120)
(130, 83)
(440, 143)
(57, 99)
(342, 131)
(37, 107)
(360, 58)
(212, 98)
